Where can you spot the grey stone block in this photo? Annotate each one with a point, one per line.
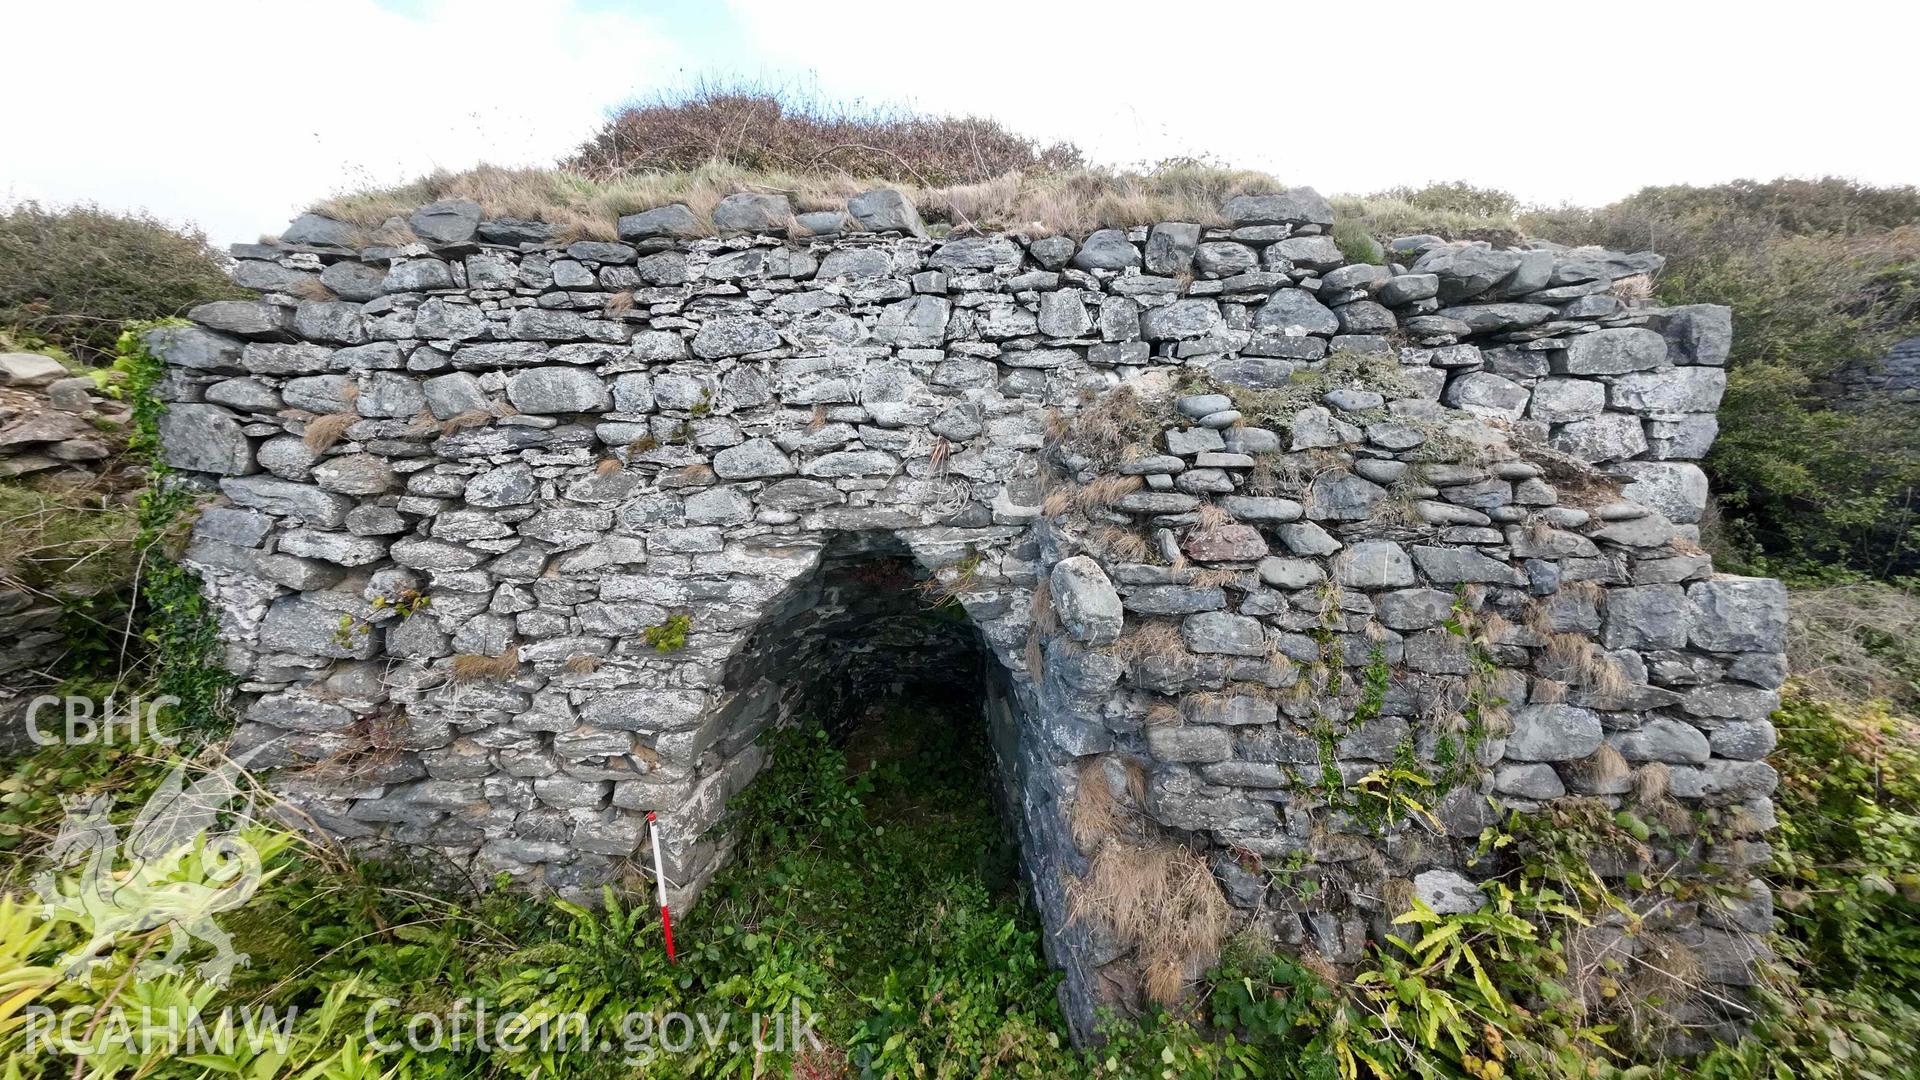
(1552, 733)
(1738, 614)
(1086, 601)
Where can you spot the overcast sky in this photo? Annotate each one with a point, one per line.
(233, 114)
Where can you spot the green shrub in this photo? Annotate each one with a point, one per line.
(1848, 850)
(1841, 1001)
(1820, 274)
(72, 277)
(1804, 486)
(1452, 211)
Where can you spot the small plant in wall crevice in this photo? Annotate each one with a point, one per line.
(670, 636)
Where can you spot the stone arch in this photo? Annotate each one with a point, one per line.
(766, 663)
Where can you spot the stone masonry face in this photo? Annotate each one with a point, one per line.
(1191, 484)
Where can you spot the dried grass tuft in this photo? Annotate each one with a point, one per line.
(1652, 782)
(324, 431)
(1214, 516)
(472, 667)
(1124, 545)
(1105, 490)
(1665, 968)
(1539, 618)
(472, 418)
(1110, 428)
(1053, 423)
(1855, 642)
(1161, 899)
(1153, 637)
(1163, 714)
(1742, 821)
(1058, 501)
(1583, 661)
(1265, 477)
(1163, 979)
(1601, 770)
(1095, 814)
(1590, 591)
(586, 201)
(310, 288)
(1212, 576)
(1632, 289)
(393, 232)
(1040, 608)
(1396, 896)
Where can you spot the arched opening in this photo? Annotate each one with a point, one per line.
(878, 653)
(869, 624)
(878, 825)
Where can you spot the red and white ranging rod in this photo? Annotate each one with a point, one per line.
(660, 884)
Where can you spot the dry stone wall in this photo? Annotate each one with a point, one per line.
(1241, 525)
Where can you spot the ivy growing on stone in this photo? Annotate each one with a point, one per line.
(176, 625)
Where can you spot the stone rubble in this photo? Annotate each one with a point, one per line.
(56, 430)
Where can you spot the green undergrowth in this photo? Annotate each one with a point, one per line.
(1848, 849)
(177, 627)
(138, 631)
(873, 890)
(1842, 999)
(65, 542)
(135, 620)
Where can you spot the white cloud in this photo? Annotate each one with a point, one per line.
(233, 115)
